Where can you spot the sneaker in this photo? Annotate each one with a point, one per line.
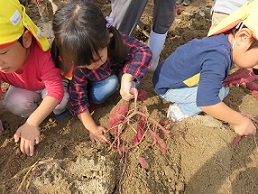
(175, 113)
(186, 2)
(179, 2)
(62, 115)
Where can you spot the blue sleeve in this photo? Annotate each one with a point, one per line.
(214, 70)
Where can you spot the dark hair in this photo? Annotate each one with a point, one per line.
(80, 31)
(254, 43)
(20, 38)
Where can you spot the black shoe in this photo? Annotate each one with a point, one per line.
(62, 115)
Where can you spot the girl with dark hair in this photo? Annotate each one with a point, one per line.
(99, 58)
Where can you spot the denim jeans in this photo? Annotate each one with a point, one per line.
(186, 98)
(101, 90)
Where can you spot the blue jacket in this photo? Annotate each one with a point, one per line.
(200, 62)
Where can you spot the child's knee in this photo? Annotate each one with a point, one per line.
(113, 82)
(23, 109)
(63, 104)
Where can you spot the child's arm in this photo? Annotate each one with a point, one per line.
(29, 131)
(139, 58)
(242, 125)
(126, 84)
(96, 131)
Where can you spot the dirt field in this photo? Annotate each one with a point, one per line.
(200, 154)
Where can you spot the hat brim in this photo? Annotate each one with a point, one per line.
(7, 44)
(36, 32)
(246, 14)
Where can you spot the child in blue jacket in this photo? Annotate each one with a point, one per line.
(191, 78)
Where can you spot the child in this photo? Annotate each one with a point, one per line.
(100, 56)
(192, 76)
(26, 65)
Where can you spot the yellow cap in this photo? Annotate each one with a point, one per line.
(247, 14)
(13, 21)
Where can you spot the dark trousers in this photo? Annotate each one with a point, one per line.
(127, 13)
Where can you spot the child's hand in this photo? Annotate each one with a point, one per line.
(29, 136)
(245, 128)
(125, 92)
(126, 85)
(97, 135)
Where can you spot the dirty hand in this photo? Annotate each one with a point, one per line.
(29, 135)
(97, 135)
(245, 128)
(126, 85)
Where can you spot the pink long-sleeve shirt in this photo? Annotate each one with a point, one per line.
(39, 73)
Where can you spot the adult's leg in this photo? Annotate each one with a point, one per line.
(163, 17)
(126, 14)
